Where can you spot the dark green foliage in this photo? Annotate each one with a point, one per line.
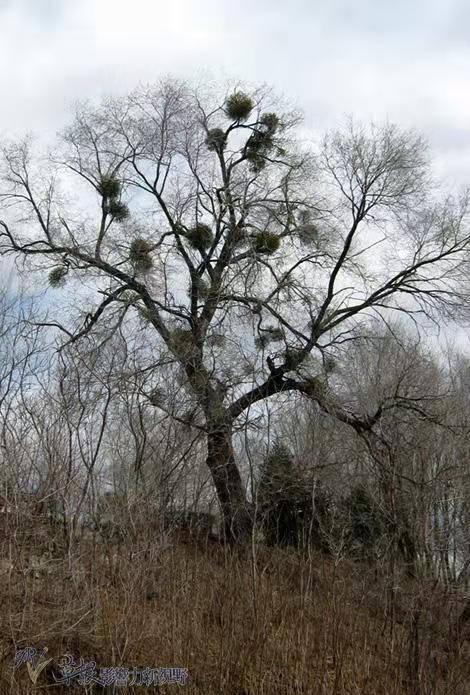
(182, 344)
(239, 106)
(129, 298)
(139, 255)
(215, 139)
(119, 211)
(201, 286)
(144, 313)
(293, 357)
(256, 159)
(200, 237)
(57, 276)
(261, 141)
(316, 385)
(366, 522)
(279, 495)
(289, 514)
(270, 122)
(179, 229)
(266, 242)
(109, 187)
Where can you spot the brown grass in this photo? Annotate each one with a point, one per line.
(264, 623)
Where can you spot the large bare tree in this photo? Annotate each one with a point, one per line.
(244, 255)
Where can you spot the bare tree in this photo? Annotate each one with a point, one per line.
(245, 257)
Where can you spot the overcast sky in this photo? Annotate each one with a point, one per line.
(407, 60)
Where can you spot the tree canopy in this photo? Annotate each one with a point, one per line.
(248, 257)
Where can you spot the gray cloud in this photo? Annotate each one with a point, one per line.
(407, 62)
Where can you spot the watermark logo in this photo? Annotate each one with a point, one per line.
(84, 672)
(35, 662)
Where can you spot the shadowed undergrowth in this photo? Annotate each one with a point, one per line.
(271, 621)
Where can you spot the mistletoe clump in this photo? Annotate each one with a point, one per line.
(316, 386)
(307, 233)
(270, 122)
(274, 333)
(261, 341)
(266, 242)
(216, 139)
(200, 286)
(239, 106)
(119, 211)
(157, 397)
(109, 187)
(261, 141)
(182, 344)
(129, 298)
(257, 148)
(200, 237)
(144, 314)
(57, 276)
(293, 358)
(139, 255)
(203, 287)
(329, 364)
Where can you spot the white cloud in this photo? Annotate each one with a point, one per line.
(407, 62)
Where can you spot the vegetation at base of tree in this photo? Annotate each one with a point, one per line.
(291, 510)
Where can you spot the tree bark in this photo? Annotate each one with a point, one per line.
(236, 512)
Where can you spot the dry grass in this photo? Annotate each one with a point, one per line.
(267, 623)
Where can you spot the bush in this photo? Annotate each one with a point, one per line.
(289, 514)
(366, 523)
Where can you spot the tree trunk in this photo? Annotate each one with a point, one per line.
(236, 513)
